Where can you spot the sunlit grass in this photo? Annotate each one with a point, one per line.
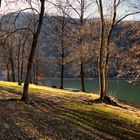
(108, 110)
(39, 89)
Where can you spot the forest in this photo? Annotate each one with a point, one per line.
(94, 44)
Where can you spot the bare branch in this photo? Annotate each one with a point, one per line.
(134, 13)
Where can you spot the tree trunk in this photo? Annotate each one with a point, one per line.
(32, 52)
(37, 74)
(102, 45)
(19, 82)
(62, 52)
(31, 75)
(106, 73)
(21, 69)
(62, 72)
(8, 73)
(107, 49)
(12, 66)
(34, 72)
(22, 60)
(82, 77)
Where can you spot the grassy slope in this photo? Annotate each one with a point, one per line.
(58, 114)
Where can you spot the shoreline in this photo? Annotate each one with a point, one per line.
(130, 104)
(90, 79)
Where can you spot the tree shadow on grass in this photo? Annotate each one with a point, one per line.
(10, 90)
(9, 100)
(11, 95)
(72, 123)
(12, 127)
(47, 118)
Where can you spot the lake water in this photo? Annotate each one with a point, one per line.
(120, 89)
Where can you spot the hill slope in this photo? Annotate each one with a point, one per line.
(125, 35)
(58, 114)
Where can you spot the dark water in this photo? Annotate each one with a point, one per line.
(120, 89)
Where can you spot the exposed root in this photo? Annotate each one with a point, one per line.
(27, 100)
(106, 100)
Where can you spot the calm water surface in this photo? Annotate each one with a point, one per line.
(120, 89)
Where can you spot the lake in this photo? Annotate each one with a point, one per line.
(119, 89)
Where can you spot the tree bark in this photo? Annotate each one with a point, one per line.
(32, 52)
(19, 80)
(106, 73)
(22, 60)
(107, 48)
(8, 73)
(102, 45)
(82, 76)
(37, 74)
(12, 66)
(62, 53)
(62, 72)
(22, 63)
(34, 72)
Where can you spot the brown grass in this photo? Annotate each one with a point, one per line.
(63, 115)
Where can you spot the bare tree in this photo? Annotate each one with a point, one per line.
(80, 7)
(62, 9)
(32, 52)
(107, 28)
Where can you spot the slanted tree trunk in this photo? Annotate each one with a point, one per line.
(32, 52)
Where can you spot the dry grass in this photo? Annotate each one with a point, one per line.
(58, 114)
